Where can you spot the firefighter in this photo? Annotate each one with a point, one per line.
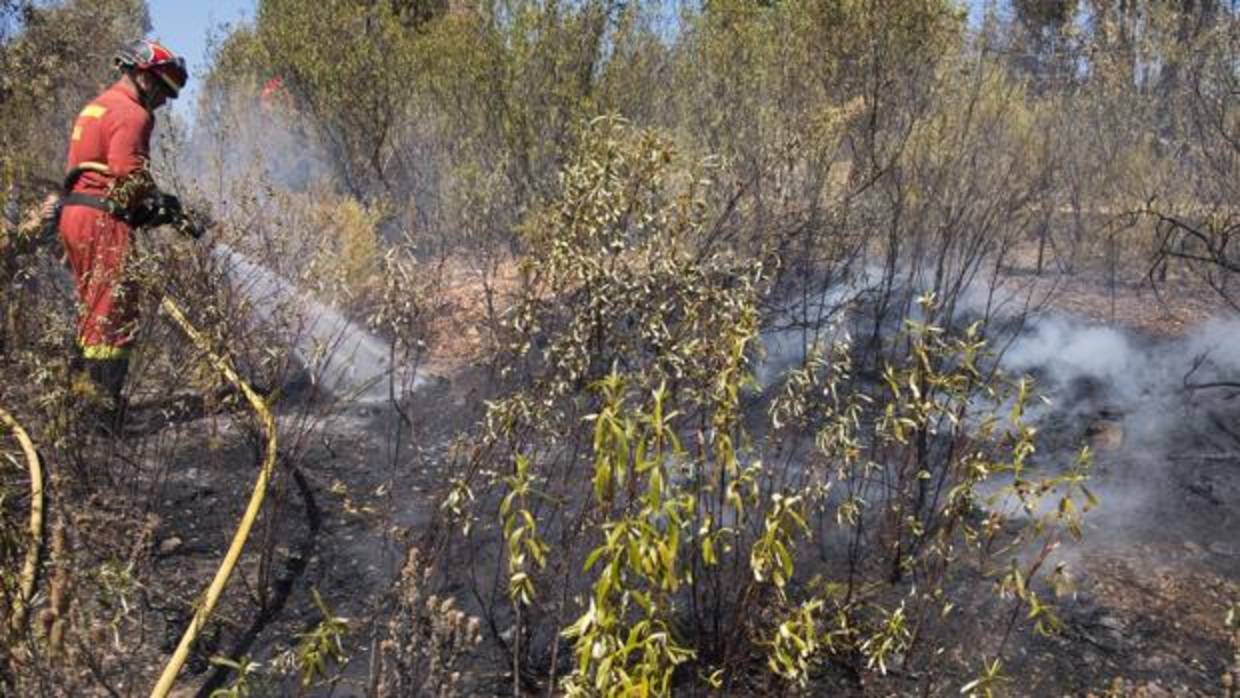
(108, 193)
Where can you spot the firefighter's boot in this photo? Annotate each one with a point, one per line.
(109, 375)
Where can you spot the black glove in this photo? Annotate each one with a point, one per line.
(157, 209)
(167, 210)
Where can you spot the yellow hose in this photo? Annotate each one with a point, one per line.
(31, 566)
(251, 512)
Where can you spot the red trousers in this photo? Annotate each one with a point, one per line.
(97, 245)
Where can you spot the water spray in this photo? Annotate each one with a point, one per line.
(346, 359)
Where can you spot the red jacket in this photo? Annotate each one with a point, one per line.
(113, 130)
(114, 133)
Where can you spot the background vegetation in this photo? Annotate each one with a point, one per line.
(730, 277)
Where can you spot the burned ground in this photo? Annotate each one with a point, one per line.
(1158, 560)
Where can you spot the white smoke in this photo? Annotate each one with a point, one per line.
(1133, 373)
(1151, 408)
(1064, 351)
(803, 324)
(239, 158)
(344, 358)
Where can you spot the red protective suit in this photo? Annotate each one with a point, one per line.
(113, 135)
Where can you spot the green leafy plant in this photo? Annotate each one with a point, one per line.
(322, 646)
(670, 522)
(625, 641)
(246, 681)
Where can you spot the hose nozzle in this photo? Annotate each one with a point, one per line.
(192, 223)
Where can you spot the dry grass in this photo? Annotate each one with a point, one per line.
(468, 304)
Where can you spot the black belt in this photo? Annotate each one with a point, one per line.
(100, 204)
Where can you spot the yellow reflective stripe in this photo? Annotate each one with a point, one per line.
(92, 111)
(103, 351)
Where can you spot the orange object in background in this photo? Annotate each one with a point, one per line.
(273, 95)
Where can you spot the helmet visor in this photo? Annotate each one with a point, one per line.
(173, 74)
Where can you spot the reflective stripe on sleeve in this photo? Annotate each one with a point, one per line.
(92, 111)
(104, 352)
